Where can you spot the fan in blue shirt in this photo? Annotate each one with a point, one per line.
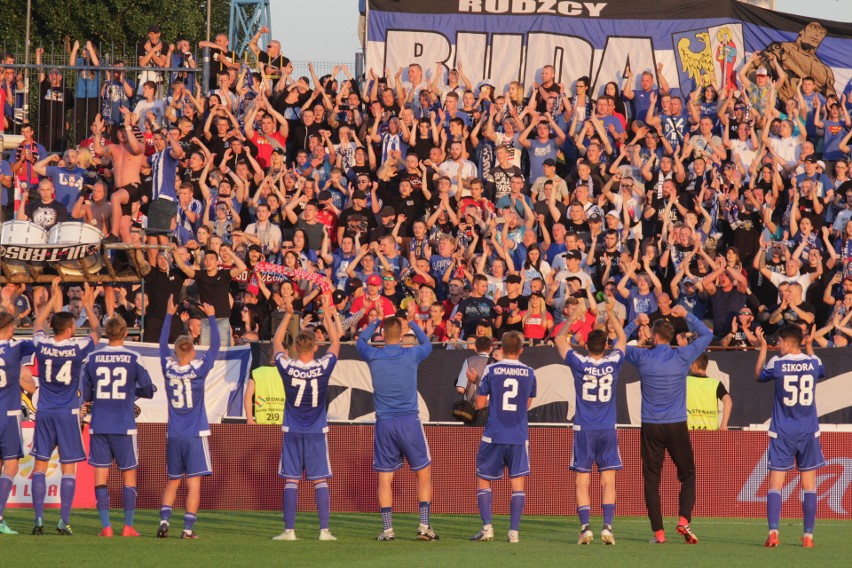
(511, 386)
(187, 450)
(595, 437)
(112, 378)
(305, 446)
(58, 420)
(794, 428)
(12, 353)
(398, 429)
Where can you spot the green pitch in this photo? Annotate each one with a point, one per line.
(243, 539)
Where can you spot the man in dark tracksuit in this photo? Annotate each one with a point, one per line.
(662, 373)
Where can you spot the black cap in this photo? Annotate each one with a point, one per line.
(278, 150)
(549, 162)
(485, 322)
(387, 211)
(338, 296)
(513, 279)
(574, 254)
(255, 248)
(153, 29)
(353, 284)
(595, 218)
(811, 159)
(358, 194)
(324, 195)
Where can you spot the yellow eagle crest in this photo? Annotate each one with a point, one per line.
(697, 64)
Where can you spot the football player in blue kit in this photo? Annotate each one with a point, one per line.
(60, 359)
(187, 449)
(305, 446)
(794, 428)
(113, 378)
(511, 386)
(595, 436)
(12, 353)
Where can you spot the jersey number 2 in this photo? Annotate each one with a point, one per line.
(511, 392)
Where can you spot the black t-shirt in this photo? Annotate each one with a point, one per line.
(217, 65)
(46, 215)
(504, 302)
(358, 223)
(214, 290)
(279, 62)
(473, 310)
(165, 285)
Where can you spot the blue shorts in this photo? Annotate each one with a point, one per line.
(806, 452)
(595, 447)
(188, 456)
(11, 439)
(103, 448)
(63, 430)
(305, 452)
(398, 437)
(492, 458)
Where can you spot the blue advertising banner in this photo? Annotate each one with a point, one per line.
(688, 42)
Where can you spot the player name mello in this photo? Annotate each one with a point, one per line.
(598, 372)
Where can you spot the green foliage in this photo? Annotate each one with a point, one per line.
(107, 22)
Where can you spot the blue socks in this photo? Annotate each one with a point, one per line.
(189, 521)
(102, 498)
(290, 501)
(424, 508)
(583, 513)
(5, 489)
(387, 518)
(165, 513)
(516, 509)
(129, 496)
(323, 503)
(483, 499)
(608, 513)
(39, 490)
(773, 509)
(809, 510)
(67, 487)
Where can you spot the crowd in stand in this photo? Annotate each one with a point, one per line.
(466, 207)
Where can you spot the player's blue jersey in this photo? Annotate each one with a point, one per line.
(595, 382)
(12, 353)
(185, 385)
(59, 364)
(112, 379)
(510, 385)
(305, 392)
(794, 413)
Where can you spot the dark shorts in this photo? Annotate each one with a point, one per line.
(11, 440)
(134, 191)
(160, 215)
(304, 452)
(104, 448)
(188, 456)
(493, 458)
(54, 430)
(397, 438)
(805, 452)
(595, 447)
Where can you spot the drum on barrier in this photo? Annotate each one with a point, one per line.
(22, 233)
(77, 233)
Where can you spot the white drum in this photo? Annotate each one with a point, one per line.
(77, 233)
(22, 233)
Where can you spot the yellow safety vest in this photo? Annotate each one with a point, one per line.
(702, 406)
(268, 395)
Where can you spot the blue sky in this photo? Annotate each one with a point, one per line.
(327, 30)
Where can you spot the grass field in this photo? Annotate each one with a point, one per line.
(243, 538)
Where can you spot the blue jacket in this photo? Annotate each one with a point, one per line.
(662, 372)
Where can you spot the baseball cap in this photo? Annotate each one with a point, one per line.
(613, 213)
(358, 194)
(820, 164)
(762, 71)
(338, 296)
(278, 151)
(353, 284)
(688, 281)
(387, 211)
(549, 162)
(513, 279)
(595, 218)
(573, 254)
(811, 160)
(324, 195)
(419, 279)
(374, 280)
